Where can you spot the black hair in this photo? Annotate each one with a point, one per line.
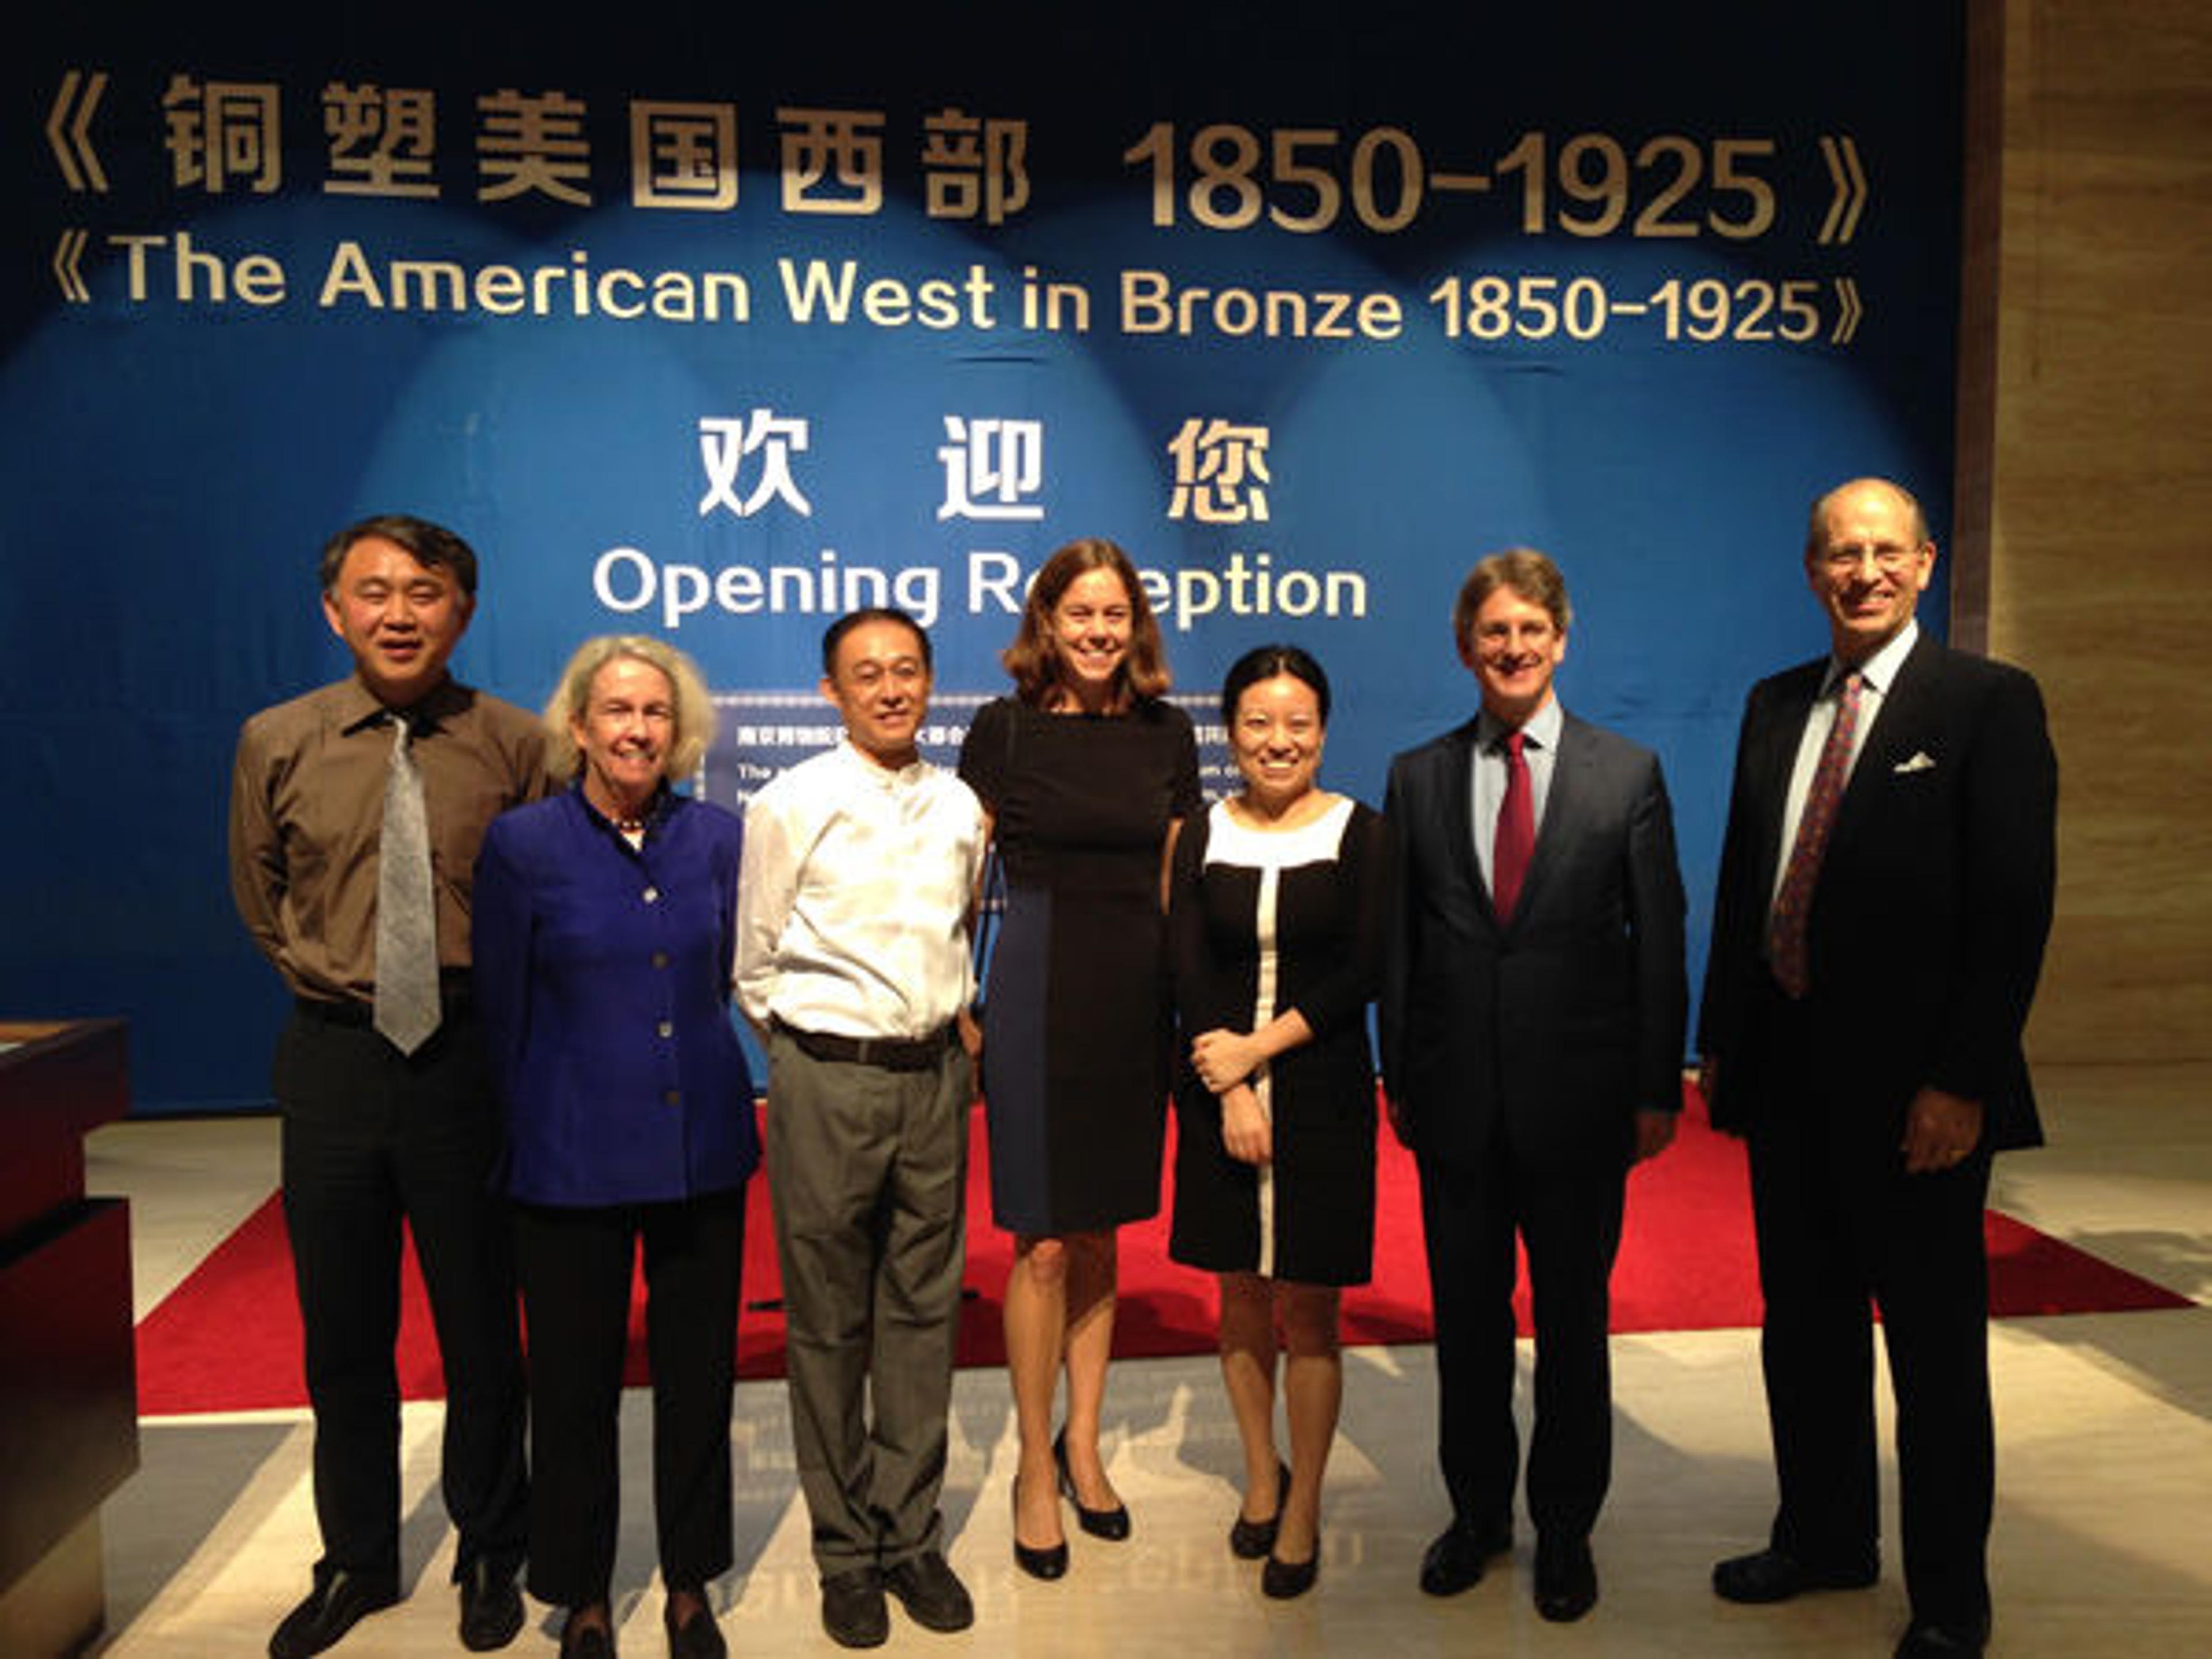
(834, 636)
(429, 545)
(1265, 662)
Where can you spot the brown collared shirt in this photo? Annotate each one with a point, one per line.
(306, 813)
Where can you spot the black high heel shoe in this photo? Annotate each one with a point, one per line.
(697, 1637)
(1112, 1524)
(1048, 1563)
(1251, 1540)
(1282, 1580)
(587, 1639)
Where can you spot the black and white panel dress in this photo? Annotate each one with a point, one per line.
(1262, 921)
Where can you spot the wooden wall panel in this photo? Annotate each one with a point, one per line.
(2099, 576)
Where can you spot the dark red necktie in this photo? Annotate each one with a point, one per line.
(1516, 837)
(1785, 927)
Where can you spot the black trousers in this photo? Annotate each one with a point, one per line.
(372, 1137)
(1840, 1226)
(1570, 1222)
(577, 1271)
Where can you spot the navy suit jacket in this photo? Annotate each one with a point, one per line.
(1540, 1037)
(1927, 923)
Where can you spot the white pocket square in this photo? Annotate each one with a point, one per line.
(1921, 761)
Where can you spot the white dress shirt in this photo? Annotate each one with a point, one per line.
(1876, 675)
(853, 895)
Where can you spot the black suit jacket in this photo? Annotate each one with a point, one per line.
(1549, 1032)
(1927, 924)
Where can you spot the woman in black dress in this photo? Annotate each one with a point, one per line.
(1086, 775)
(1277, 916)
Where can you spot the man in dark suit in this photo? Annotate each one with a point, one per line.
(1532, 1018)
(1884, 891)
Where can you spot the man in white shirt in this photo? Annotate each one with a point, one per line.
(860, 871)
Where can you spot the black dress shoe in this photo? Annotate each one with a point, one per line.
(852, 1609)
(1112, 1524)
(696, 1638)
(1283, 1579)
(1566, 1579)
(491, 1606)
(583, 1641)
(1773, 1575)
(1453, 1561)
(1924, 1639)
(339, 1600)
(1250, 1540)
(931, 1592)
(1050, 1562)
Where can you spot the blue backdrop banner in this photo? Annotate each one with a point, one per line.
(711, 323)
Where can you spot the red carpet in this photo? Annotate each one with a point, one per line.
(228, 1338)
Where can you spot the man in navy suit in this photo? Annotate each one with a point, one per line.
(1884, 895)
(1533, 1018)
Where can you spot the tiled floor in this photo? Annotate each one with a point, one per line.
(2105, 1469)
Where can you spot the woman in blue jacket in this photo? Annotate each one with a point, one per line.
(604, 943)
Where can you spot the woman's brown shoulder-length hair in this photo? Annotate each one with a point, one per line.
(1034, 660)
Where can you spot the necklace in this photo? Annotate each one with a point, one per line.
(632, 826)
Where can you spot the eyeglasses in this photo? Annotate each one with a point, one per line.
(1889, 557)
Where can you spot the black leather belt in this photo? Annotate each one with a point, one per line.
(455, 999)
(892, 1054)
(353, 1015)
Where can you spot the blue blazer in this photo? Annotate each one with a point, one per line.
(602, 978)
(1542, 1037)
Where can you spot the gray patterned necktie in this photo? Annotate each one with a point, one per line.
(406, 919)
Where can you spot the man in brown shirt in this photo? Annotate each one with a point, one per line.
(378, 1128)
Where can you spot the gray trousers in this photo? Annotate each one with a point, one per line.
(868, 1172)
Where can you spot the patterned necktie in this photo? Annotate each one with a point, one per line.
(1785, 927)
(1516, 836)
(406, 921)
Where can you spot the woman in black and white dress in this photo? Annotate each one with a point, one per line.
(1276, 915)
